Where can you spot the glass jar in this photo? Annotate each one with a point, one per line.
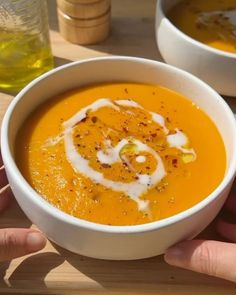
(25, 51)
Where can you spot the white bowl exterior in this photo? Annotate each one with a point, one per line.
(216, 68)
(100, 241)
(115, 246)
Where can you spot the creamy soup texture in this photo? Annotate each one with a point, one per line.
(121, 153)
(212, 22)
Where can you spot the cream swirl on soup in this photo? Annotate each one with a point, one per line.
(111, 154)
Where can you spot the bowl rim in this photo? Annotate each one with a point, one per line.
(35, 197)
(188, 38)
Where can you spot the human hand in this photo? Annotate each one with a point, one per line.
(209, 257)
(15, 242)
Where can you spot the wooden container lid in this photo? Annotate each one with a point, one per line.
(84, 9)
(84, 32)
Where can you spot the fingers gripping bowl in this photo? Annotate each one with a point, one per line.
(100, 240)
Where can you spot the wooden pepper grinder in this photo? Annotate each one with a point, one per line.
(84, 21)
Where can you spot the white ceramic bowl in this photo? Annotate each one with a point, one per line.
(116, 242)
(215, 67)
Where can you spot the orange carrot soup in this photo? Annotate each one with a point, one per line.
(121, 153)
(212, 22)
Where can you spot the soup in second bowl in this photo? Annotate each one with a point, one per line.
(121, 153)
(212, 22)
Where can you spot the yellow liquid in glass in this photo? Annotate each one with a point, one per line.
(22, 58)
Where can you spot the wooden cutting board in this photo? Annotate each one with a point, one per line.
(57, 271)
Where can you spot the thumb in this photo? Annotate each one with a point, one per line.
(15, 242)
(208, 257)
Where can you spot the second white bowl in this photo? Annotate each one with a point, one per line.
(215, 67)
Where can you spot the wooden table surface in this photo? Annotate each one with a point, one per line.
(57, 271)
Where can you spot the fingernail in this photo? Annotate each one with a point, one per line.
(173, 255)
(35, 241)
